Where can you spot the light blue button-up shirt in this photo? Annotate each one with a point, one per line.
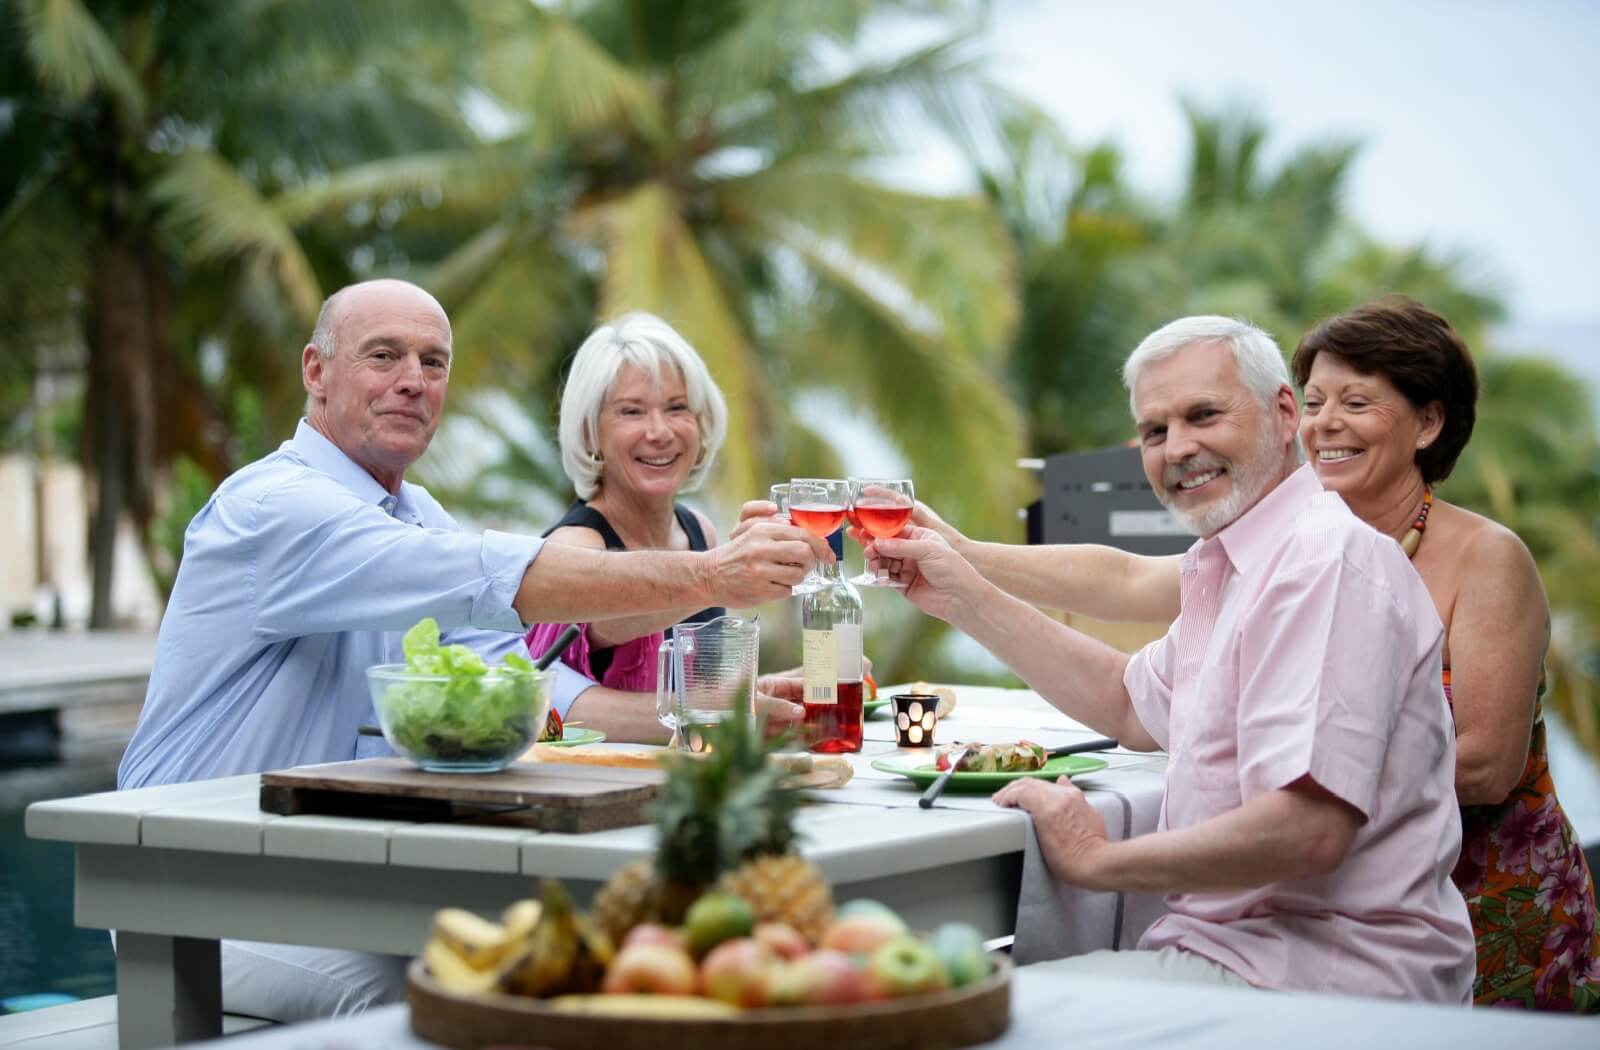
(298, 574)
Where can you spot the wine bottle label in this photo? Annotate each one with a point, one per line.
(820, 660)
(847, 649)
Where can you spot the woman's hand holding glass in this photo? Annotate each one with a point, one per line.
(880, 507)
(817, 505)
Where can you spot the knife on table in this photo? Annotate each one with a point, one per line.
(564, 639)
(935, 789)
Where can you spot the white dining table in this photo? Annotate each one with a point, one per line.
(1050, 1010)
(176, 869)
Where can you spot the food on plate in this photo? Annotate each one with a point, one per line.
(553, 729)
(946, 695)
(806, 770)
(1022, 757)
(464, 710)
(862, 927)
(595, 755)
(565, 953)
(905, 965)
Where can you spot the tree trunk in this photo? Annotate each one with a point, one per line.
(121, 421)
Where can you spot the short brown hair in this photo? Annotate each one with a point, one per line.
(1416, 350)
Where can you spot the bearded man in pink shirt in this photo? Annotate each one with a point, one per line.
(1310, 824)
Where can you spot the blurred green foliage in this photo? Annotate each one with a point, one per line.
(181, 182)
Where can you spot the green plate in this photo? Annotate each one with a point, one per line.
(572, 736)
(872, 707)
(920, 770)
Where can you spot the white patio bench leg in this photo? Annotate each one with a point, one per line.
(169, 990)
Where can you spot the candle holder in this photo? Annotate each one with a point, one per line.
(915, 715)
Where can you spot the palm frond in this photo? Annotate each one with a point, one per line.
(944, 265)
(654, 263)
(517, 306)
(478, 177)
(74, 55)
(566, 84)
(219, 216)
(950, 416)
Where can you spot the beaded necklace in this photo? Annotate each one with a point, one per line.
(1413, 537)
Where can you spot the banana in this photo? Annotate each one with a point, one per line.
(667, 1007)
(520, 919)
(481, 944)
(546, 965)
(452, 972)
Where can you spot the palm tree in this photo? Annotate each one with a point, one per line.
(718, 164)
(139, 149)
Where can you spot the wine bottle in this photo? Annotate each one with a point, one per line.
(831, 619)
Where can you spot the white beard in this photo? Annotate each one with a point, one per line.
(1249, 480)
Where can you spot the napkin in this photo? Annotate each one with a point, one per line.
(1056, 919)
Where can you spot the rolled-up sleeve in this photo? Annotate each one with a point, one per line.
(1148, 679)
(1329, 712)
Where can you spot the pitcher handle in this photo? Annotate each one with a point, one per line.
(665, 713)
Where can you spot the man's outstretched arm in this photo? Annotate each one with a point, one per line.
(567, 584)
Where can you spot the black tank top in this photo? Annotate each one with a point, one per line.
(585, 516)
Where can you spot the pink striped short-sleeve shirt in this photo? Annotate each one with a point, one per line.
(1308, 646)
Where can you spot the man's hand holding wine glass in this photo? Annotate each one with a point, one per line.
(936, 579)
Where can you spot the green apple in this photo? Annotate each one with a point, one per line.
(905, 966)
(960, 947)
(717, 917)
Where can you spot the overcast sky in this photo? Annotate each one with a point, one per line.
(1481, 118)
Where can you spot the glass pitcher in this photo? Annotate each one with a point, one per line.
(706, 673)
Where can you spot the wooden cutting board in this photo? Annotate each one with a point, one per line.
(570, 799)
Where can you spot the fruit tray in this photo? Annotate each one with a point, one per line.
(975, 1013)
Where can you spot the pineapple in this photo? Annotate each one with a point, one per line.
(721, 816)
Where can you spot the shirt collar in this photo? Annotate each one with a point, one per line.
(329, 458)
(1256, 533)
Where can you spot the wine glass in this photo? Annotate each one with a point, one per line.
(881, 507)
(817, 505)
(779, 495)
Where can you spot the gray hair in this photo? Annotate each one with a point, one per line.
(1260, 362)
(647, 342)
(323, 336)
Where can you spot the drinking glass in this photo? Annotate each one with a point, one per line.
(779, 494)
(818, 506)
(881, 507)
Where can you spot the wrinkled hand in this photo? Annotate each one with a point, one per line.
(754, 513)
(1070, 832)
(937, 580)
(761, 563)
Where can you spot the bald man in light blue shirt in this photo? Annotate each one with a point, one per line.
(307, 567)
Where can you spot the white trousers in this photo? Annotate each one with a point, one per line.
(289, 984)
(1163, 964)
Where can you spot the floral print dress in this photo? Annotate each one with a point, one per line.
(1530, 894)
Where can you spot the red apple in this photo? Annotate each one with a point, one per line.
(653, 933)
(651, 969)
(821, 978)
(739, 971)
(861, 932)
(783, 939)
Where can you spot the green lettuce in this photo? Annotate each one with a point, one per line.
(473, 715)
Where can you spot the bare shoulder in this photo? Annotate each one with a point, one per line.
(577, 536)
(706, 527)
(1492, 561)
